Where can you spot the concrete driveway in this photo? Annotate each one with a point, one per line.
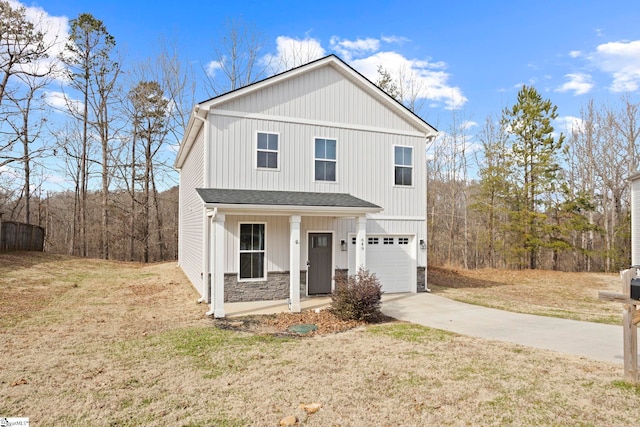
(586, 339)
(592, 340)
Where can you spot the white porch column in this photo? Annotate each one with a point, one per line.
(361, 243)
(294, 263)
(217, 302)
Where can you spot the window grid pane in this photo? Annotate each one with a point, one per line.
(252, 244)
(403, 165)
(325, 163)
(267, 156)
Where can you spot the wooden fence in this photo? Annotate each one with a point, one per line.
(18, 236)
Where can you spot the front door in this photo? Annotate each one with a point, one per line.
(319, 264)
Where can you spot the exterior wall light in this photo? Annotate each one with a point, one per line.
(423, 245)
(343, 245)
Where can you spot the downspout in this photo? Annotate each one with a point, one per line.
(430, 139)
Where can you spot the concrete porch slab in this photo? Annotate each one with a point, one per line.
(236, 309)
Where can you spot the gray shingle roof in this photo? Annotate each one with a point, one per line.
(281, 198)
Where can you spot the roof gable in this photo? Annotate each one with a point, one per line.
(341, 68)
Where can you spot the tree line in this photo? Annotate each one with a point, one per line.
(540, 198)
(515, 194)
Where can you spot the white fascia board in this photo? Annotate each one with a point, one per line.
(193, 127)
(266, 83)
(286, 210)
(386, 99)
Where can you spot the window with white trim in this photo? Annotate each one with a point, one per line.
(267, 151)
(403, 165)
(373, 240)
(252, 250)
(388, 241)
(325, 159)
(403, 240)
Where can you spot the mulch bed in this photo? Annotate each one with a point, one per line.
(278, 324)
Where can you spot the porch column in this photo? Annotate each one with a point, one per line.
(361, 243)
(294, 263)
(217, 302)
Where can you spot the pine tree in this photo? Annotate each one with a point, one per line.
(534, 173)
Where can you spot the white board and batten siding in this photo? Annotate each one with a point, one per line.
(323, 95)
(364, 162)
(635, 219)
(191, 214)
(323, 102)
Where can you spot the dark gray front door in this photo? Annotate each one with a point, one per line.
(319, 264)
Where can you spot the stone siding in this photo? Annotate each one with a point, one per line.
(421, 279)
(276, 287)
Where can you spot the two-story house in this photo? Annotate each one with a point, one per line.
(291, 180)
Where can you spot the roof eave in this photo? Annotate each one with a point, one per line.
(343, 211)
(195, 123)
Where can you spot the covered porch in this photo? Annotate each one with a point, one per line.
(223, 204)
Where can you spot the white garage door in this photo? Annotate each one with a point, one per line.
(391, 259)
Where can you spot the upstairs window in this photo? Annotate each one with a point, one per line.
(267, 150)
(403, 165)
(325, 159)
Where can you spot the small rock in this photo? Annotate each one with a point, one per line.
(288, 421)
(311, 408)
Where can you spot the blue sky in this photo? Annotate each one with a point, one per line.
(469, 56)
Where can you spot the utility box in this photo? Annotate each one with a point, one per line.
(635, 288)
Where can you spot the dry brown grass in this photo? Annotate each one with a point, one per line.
(546, 293)
(112, 344)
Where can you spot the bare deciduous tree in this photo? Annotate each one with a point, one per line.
(236, 58)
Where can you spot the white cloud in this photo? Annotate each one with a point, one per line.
(428, 80)
(394, 39)
(348, 49)
(575, 53)
(579, 83)
(468, 124)
(212, 67)
(61, 102)
(622, 61)
(569, 124)
(292, 52)
(55, 30)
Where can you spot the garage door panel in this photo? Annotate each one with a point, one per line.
(390, 258)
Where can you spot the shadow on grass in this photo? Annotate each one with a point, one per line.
(441, 278)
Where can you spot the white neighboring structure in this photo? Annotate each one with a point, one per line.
(286, 182)
(635, 218)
